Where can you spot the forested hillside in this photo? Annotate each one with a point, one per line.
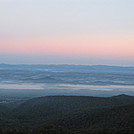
(70, 114)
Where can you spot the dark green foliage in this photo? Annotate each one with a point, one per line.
(70, 115)
(51, 130)
(107, 131)
(120, 117)
(44, 107)
(3, 109)
(14, 131)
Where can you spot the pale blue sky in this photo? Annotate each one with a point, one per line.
(50, 17)
(31, 19)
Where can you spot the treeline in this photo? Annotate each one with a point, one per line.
(70, 115)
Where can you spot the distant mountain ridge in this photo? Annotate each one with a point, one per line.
(66, 66)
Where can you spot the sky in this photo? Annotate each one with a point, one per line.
(67, 32)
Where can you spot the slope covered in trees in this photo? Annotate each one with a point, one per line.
(70, 114)
(43, 110)
(119, 117)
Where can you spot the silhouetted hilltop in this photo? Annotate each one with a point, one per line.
(126, 99)
(75, 113)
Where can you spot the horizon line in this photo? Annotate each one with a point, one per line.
(34, 64)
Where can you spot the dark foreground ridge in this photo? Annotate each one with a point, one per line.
(70, 115)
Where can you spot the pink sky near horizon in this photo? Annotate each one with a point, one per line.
(67, 31)
(111, 46)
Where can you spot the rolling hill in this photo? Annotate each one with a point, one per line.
(43, 110)
(76, 113)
